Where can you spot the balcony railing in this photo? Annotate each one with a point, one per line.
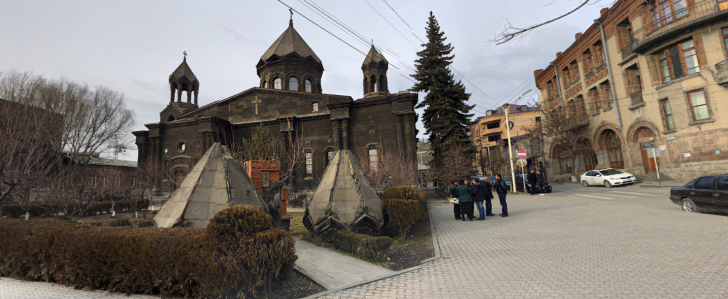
(693, 15)
(627, 50)
(636, 98)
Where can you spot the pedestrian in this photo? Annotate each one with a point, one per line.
(488, 197)
(532, 180)
(479, 196)
(502, 189)
(456, 207)
(541, 180)
(466, 202)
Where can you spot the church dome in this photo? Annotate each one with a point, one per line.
(290, 64)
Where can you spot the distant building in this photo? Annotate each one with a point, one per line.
(656, 79)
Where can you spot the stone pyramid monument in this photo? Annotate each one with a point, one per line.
(216, 182)
(345, 199)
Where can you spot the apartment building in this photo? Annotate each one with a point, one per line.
(489, 135)
(645, 75)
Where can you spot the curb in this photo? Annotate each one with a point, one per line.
(656, 186)
(435, 245)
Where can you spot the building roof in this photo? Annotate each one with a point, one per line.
(183, 71)
(513, 109)
(290, 42)
(374, 56)
(111, 162)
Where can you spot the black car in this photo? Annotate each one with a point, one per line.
(519, 186)
(705, 194)
(491, 179)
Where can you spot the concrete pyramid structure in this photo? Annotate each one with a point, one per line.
(216, 182)
(344, 200)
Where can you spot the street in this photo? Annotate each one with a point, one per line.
(578, 242)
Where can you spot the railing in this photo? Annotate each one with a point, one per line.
(678, 18)
(627, 50)
(636, 98)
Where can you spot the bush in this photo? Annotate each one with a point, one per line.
(47, 209)
(401, 193)
(362, 245)
(148, 223)
(403, 213)
(120, 222)
(96, 224)
(233, 256)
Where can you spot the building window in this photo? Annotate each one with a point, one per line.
(134, 182)
(494, 138)
(599, 59)
(678, 61)
(538, 119)
(666, 11)
(667, 112)
(265, 84)
(92, 181)
(566, 78)
(488, 113)
(117, 183)
(606, 95)
(293, 84)
(277, 83)
(329, 155)
(494, 125)
(315, 107)
(104, 180)
(725, 37)
(308, 85)
(524, 108)
(309, 165)
(594, 98)
(373, 160)
(698, 105)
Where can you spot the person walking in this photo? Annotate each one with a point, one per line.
(541, 180)
(488, 197)
(456, 207)
(466, 202)
(478, 194)
(502, 189)
(532, 180)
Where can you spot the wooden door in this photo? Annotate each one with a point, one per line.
(648, 162)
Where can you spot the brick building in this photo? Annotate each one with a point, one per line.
(288, 99)
(646, 74)
(489, 137)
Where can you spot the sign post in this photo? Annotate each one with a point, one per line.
(654, 154)
(521, 155)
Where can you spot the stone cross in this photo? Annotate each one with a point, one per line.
(256, 101)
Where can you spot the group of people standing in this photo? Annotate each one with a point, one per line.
(536, 178)
(479, 192)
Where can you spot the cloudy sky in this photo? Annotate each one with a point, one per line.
(132, 46)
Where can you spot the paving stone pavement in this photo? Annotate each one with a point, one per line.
(18, 289)
(571, 245)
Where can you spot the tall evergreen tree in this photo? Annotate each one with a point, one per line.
(446, 117)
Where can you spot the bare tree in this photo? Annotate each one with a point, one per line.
(148, 175)
(510, 32)
(562, 128)
(391, 168)
(456, 164)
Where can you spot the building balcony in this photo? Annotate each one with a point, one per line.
(721, 76)
(636, 98)
(696, 15)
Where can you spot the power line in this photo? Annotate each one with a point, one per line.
(312, 8)
(395, 12)
(417, 37)
(395, 28)
(471, 83)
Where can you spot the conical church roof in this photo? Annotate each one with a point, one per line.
(216, 182)
(345, 199)
(290, 42)
(183, 71)
(374, 56)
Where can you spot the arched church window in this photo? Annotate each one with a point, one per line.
(373, 160)
(308, 85)
(265, 84)
(315, 107)
(293, 84)
(171, 118)
(277, 83)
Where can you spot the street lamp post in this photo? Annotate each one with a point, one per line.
(508, 134)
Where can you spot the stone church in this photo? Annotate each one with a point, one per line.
(289, 99)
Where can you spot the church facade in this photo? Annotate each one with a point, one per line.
(290, 102)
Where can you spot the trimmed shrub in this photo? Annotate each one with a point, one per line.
(403, 213)
(96, 224)
(14, 211)
(120, 222)
(176, 262)
(362, 245)
(400, 193)
(148, 223)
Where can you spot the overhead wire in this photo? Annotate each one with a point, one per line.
(395, 12)
(390, 23)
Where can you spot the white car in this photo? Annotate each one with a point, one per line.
(607, 177)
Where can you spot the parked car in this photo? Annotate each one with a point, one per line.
(705, 194)
(519, 186)
(607, 177)
(492, 182)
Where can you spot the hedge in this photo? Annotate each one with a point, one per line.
(362, 245)
(14, 211)
(405, 206)
(176, 262)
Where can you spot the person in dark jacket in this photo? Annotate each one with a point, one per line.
(466, 202)
(541, 180)
(456, 207)
(532, 180)
(488, 197)
(502, 189)
(479, 196)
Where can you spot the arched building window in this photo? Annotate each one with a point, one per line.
(277, 83)
(372, 84)
(373, 159)
(309, 165)
(293, 84)
(265, 84)
(381, 84)
(308, 85)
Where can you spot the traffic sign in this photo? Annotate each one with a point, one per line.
(521, 154)
(521, 162)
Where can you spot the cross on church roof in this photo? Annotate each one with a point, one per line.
(290, 23)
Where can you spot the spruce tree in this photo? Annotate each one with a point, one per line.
(446, 117)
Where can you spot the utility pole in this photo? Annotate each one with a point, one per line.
(508, 133)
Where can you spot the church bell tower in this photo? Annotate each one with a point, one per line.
(181, 80)
(375, 74)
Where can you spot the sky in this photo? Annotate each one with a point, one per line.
(132, 46)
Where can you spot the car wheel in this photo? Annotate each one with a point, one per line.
(607, 184)
(689, 206)
(585, 183)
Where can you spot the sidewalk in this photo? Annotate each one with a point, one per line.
(333, 270)
(21, 289)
